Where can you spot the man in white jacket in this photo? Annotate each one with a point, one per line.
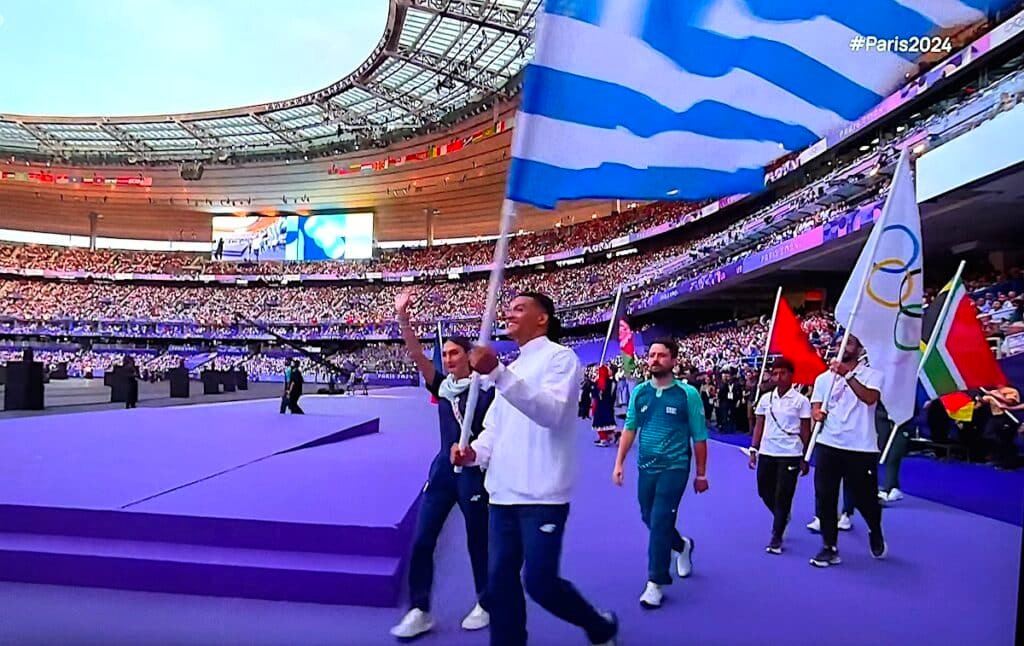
(528, 448)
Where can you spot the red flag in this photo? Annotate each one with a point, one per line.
(790, 340)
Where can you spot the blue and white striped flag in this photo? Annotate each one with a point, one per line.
(690, 99)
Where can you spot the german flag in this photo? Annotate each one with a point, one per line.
(959, 405)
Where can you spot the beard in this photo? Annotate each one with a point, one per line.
(660, 372)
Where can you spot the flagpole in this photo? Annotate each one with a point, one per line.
(611, 325)
(929, 347)
(767, 344)
(508, 212)
(874, 240)
(768, 341)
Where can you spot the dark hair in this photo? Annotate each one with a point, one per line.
(782, 363)
(554, 331)
(460, 341)
(670, 345)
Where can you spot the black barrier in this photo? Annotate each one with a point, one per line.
(23, 388)
(211, 382)
(180, 385)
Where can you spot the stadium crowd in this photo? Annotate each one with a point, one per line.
(354, 305)
(522, 246)
(366, 306)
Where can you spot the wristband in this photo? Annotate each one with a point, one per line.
(755, 449)
(704, 478)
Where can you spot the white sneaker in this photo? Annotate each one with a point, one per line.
(476, 619)
(414, 623)
(684, 560)
(882, 496)
(845, 523)
(652, 596)
(895, 494)
(815, 525)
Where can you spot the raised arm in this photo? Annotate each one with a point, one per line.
(412, 343)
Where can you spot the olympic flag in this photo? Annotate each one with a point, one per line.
(883, 300)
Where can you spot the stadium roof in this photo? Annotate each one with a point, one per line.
(436, 62)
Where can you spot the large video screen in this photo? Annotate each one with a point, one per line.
(329, 236)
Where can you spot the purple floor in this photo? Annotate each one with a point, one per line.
(951, 577)
(311, 480)
(47, 460)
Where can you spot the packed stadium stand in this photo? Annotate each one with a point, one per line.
(647, 249)
(672, 244)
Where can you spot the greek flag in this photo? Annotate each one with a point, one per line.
(690, 99)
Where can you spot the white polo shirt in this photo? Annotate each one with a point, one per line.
(850, 423)
(782, 415)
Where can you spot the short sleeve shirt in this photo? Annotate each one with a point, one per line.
(667, 420)
(782, 417)
(850, 423)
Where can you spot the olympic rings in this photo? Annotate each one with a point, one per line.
(906, 287)
(897, 266)
(913, 254)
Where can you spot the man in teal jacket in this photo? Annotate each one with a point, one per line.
(668, 416)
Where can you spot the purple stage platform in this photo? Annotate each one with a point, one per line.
(226, 500)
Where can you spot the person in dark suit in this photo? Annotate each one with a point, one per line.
(293, 389)
(132, 372)
(730, 398)
(586, 394)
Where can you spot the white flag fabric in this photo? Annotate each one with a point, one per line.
(885, 295)
(688, 99)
